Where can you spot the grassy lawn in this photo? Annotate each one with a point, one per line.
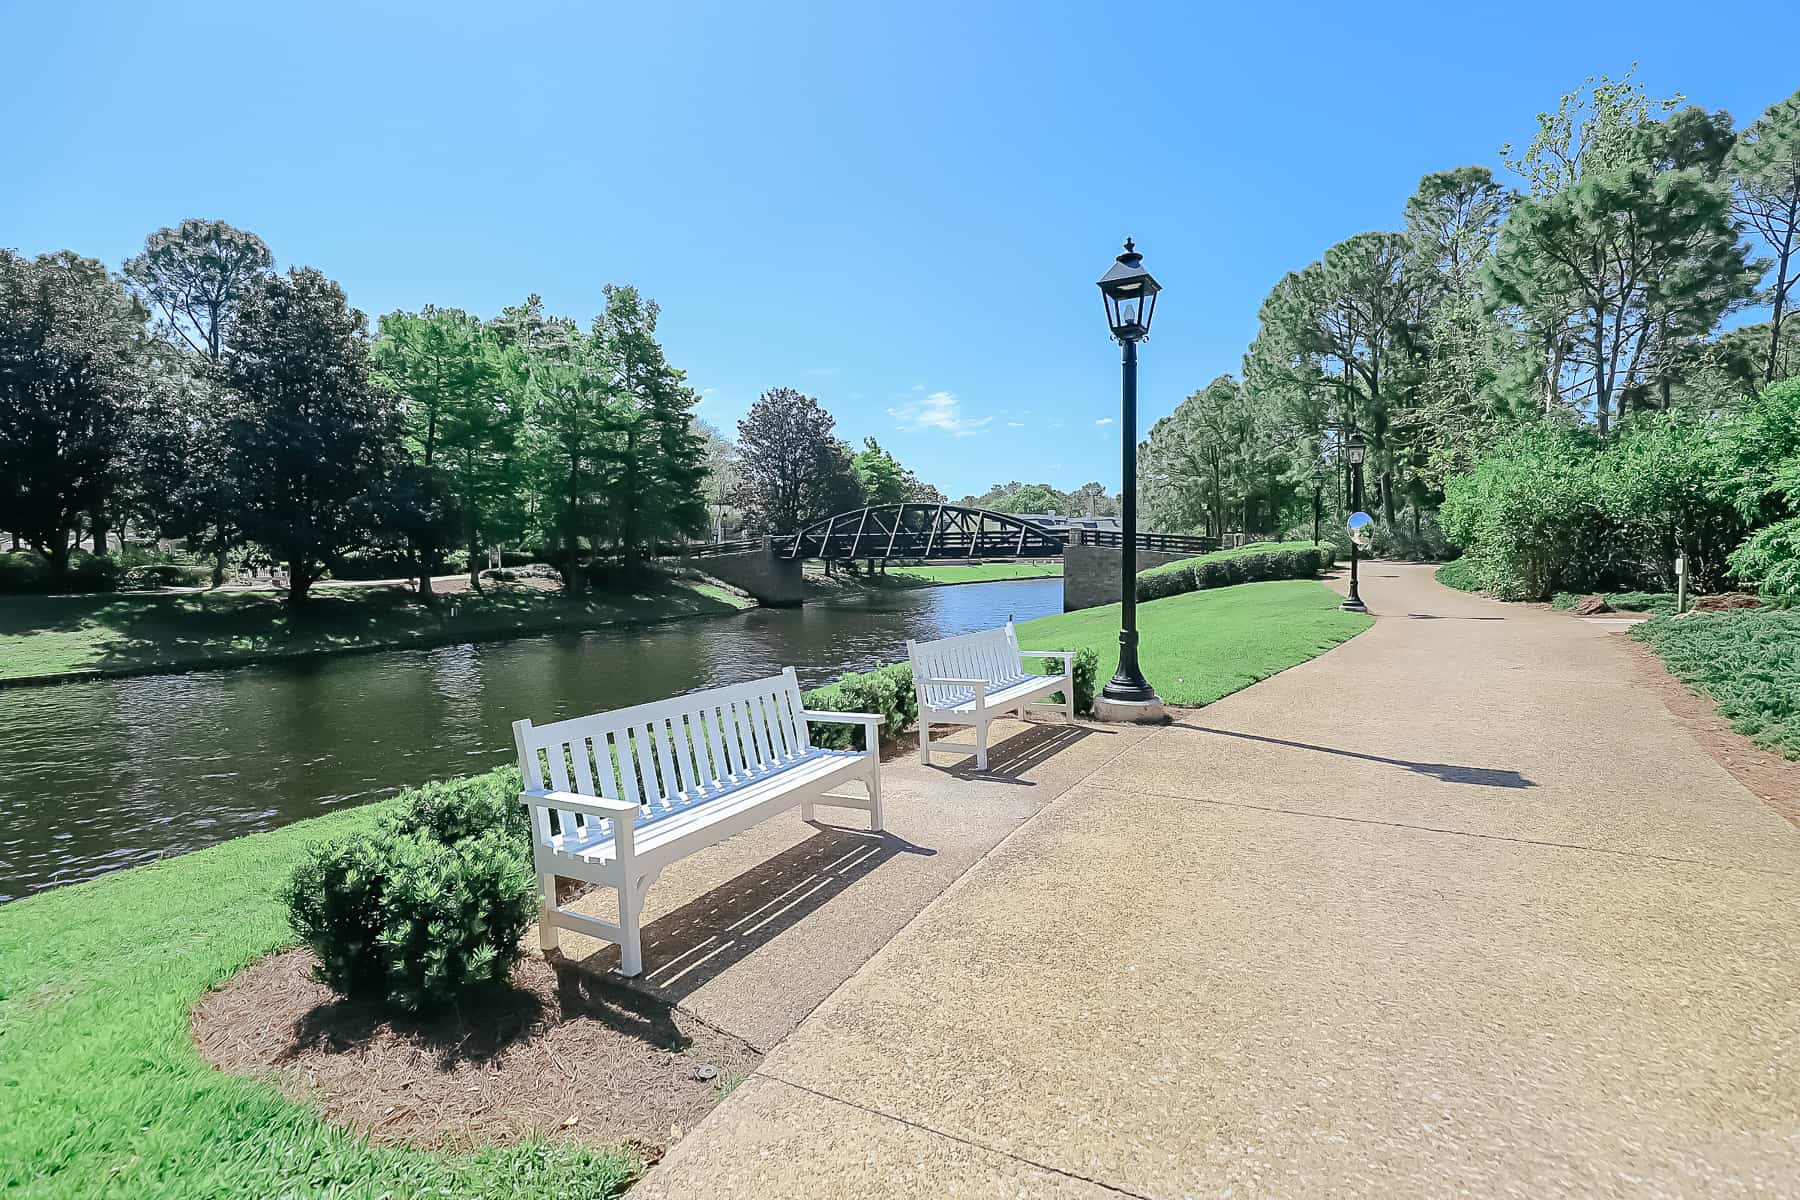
(1199, 646)
(106, 1096)
(1747, 661)
(976, 572)
(51, 635)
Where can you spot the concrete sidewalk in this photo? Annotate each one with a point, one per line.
(1452, 910)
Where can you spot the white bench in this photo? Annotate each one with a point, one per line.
(631, 791)
(972, 679)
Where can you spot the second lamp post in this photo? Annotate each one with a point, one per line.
(1355, 448)
(1130, 295)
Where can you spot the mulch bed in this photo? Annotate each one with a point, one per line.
(1770, 776)
(562, 1054)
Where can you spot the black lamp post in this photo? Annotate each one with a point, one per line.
(1318, 494)
(1355, 448)
(1130, 296)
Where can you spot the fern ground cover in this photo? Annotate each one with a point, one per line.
(1747, 661)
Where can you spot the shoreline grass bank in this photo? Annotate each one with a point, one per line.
(61, 639)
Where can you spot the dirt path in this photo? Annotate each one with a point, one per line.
(1459, 908)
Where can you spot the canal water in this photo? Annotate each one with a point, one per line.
(99, 776)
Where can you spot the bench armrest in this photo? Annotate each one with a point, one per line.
(843, 718)
(593, 806)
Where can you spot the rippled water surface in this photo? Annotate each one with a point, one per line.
(99, 776)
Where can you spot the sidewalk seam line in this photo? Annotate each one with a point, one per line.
(953, 1137)
(1470, 833)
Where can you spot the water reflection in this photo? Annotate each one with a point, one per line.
(98, 776)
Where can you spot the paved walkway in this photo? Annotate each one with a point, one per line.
(1455, 910)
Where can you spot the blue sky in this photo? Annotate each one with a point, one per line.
(898, 208)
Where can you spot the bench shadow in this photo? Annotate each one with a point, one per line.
(1008, 760)
(691, 946)
(1447, 772)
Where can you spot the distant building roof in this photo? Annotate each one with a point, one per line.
(1054, 521)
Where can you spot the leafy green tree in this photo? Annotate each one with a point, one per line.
(464, 415)
(572, 429)
(183, 478)
(794, 471)
(882, 477)
(316, 438)
(71, 357)
(721, 475)
(1764, 168)
(1593, 128)
(195, 275)
(662, 459)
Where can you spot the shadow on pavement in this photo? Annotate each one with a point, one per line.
(1009, 760)
(1441, 617)
(1448, 772)
(692, 945)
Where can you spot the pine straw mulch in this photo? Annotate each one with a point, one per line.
(561, 1054)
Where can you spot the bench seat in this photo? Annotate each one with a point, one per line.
(616, 797)
(975, 678)
(595, 842)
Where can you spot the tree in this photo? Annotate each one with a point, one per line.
(1591, 129)
(316, 438)
(464, 413)
(196, 275)
(722, 478)
(71, 351)
(794, 471)
(572, 421)
(880, 474)
(1764, 167)
(184, 480)
(1619, 268)
(662, 460)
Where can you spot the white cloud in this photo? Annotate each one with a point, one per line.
(1104, 421)
(941, 411)
(1015, 424)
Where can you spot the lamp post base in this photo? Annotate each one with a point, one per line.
(1130, 712)
(1354, 606)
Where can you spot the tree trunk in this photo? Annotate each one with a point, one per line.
(56, 553)
(474, 559)
(299, 580)
(425, 593)
(1781, 275)
(219, 566)
(97, 523)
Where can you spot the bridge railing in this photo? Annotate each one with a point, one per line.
(1162, 543)
(710, 549)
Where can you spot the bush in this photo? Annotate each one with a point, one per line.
(886, 690)
(1085, 668)
(164, 575)
(457, 810)
(409, 921)
(28, 571)
(1771, 560)
(1460, 574)
(1224, 568)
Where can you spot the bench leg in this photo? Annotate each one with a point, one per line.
(876, 824)
(631, 910)
(981, 728)
(924, 742)
(806, 810)
(1069, 698)
(546, 930)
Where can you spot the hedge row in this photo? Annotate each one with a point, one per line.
(27, 571)
(1224, 568)
(431, 904)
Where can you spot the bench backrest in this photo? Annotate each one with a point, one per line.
(669, 754)
(990, 654)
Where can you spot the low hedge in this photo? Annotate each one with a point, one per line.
(165, 575)
(886, 690)
(1226, 568)
(26, 571)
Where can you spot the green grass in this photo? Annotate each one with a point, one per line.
(977, 572)
(1459, 574)
(105, 1096)
(1199, 646)
(55, 635)
(1748, 662)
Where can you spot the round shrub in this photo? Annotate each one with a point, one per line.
(149, 576)
(1771, 559)
(22, 571)
(456, 810)
(409, 921)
